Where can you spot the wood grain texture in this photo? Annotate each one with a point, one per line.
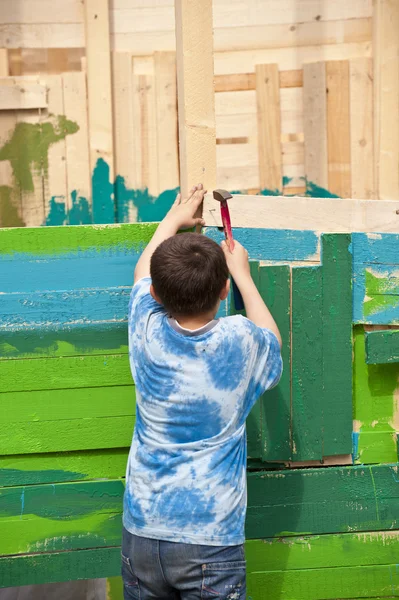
(382, 347)
(316, 214)
(275, 288)
(337, 344)
(338, 128)
(307, 359)
(15, 95)
(194, 59)
(55, 184)
(269, 127)
(386, 97)
(315, 123)
(361, 128)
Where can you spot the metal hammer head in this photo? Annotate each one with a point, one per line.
(221, 195)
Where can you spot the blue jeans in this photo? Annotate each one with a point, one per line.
(153, 569)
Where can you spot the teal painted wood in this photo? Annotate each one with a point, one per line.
(307, 360)
(254, 420)
(382, 347)
(337, 344)
(275, 288)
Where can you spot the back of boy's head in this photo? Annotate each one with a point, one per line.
(188, 273)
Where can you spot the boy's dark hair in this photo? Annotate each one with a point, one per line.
(188, 273)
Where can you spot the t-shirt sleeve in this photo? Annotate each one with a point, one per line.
(141, 304)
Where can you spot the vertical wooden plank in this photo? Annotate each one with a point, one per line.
(275, 405)
(337, 344)
(196, 103)
(338, 128)
(307, 371)
(254, 420)
(4, 69)
(10, 198)
(55, 185)
(386, 98)
(315, 123)
(77, 149)
(269, 128)
(100, 109)
(166, 117)
(361, 128)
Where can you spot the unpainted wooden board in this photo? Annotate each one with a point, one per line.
(44, 11)
(77, 145)
(328, 215)
(55, 184)
(17, 96)
(4, 65)
(166, 120)
(315, 123)
(122, 78)
(196, 104)
(42, 35)
(10, 202)
(386, 97)
(361, 128)
(269, 128)
(338, 128)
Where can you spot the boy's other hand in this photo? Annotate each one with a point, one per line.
(184, 210)
(237, 261)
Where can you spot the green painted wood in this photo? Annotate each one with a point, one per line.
(53, 241)
(58, 405)
(321, 551)
(325, 584)
(59, 566)
(323, 500)
(64, 516)
(67, 435)
(92, 338)
(254, 420)
(61, 373)
(337, 344)
(28, 469)
(307, 352)
(114, 588)
(275, 288)
(382, 346)
(374, 391)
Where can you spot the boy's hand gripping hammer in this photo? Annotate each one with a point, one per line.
(222, 196)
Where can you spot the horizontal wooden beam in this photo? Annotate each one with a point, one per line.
(328, 215)
(247, 81)
(382, 346)
(17, 95)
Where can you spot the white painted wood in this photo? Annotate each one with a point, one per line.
(15, 95)
(318, 214)
(194, 59)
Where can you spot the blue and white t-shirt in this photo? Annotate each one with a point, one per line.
(186, 473)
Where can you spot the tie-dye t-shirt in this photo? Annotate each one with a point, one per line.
(186, 473)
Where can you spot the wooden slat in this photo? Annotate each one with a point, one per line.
(275, 288)
(100, 109)
(247, 81)
(338, 128)
(382, 346)
(166, 119)
(55, 185)
(328, 215)
(386, 97)
(14, 95)
(306, 366)
(337, 345)
(194, 59)
(361, 128)
(10, 199)
(4, 66)
(77, 150)
(269, 128)
(315, 123)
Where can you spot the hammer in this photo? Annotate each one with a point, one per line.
(222, 196)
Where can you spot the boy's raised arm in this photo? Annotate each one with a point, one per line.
(180, 216)
(256, 309)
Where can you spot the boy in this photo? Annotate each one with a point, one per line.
(197, 379)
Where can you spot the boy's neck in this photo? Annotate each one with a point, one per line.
(196, 322)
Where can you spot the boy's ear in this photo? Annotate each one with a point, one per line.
(154, 295)
(225, 291)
